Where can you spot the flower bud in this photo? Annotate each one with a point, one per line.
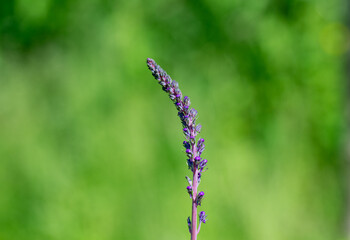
(193, 113)
(178, 91)
(189, 190)
(189, 224)
(185, 110)
(197, 159)
(186, 132)
(186, 144)
(199, 198)
(174, 84)
(199, 177)
(198, 128)
(187, 101)
(203, 163)
(190, 164)
(189, 180)
(192, 140)
(189, 153)
(200, 146)
(202, 217)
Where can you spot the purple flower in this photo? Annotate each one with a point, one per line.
(189, 190)
(186, 144)
(200, 146)
(200, 198)
(187, 132)
(197, 159)
(203, 164)
(187, 101)
(188, 117)
(202, 217)
(190, 164)
(199, 177)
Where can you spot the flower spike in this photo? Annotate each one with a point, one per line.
(193, 150)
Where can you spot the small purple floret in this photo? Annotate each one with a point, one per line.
(200, 198)
(203, 163)
(186, 145)
(189, 190)
(202, 217)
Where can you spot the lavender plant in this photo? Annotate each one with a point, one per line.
(193, 148)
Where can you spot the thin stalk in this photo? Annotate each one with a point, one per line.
(194, 205)
(194, 194)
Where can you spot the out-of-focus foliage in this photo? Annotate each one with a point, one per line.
(90, 147)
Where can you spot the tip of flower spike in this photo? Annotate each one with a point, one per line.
(150, 61)
(152, 66)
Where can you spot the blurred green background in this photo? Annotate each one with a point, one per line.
(91, 148)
